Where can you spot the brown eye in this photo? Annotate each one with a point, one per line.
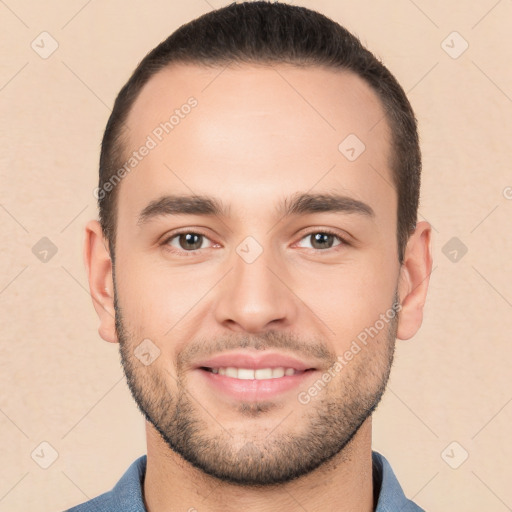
(185, 242)
(322, 240)
(190, 241)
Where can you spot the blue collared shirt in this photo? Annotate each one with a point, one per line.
(126, 496)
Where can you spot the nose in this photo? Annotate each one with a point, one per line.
(255, 296)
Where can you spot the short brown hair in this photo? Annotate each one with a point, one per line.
(268, 32)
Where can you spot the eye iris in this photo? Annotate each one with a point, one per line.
(189, 237)
(321, 239)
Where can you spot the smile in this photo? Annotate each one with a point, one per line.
(254, 374)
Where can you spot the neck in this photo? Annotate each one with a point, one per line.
(344, 483)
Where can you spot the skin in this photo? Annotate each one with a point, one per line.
(251, 141)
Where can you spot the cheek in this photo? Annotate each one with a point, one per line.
(142, 298)
(160, 302)
(350, 297)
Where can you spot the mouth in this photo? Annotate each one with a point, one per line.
(250, 376)
(255, 374)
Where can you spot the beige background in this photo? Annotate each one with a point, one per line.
(63, 385)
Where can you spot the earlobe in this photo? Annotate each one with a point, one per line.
(414, 279)
(99, 271)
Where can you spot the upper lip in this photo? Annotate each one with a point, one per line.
(255, 361)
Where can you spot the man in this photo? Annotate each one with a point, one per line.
(256, 257)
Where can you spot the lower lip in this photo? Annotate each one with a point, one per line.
(255, 389)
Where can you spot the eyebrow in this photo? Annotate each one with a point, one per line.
(298, 204)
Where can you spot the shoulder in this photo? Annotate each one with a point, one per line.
(126, 496)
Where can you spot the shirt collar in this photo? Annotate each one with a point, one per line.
(389, 496)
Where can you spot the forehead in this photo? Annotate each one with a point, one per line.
(247, 132)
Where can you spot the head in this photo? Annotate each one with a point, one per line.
(297, 238)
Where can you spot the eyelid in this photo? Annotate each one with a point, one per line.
(184, 231)
(344, 240)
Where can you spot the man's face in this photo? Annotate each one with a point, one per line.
(252, 287)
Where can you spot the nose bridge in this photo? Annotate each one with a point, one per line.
(253, 295)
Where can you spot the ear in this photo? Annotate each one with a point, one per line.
(99, 270)
(413, 280)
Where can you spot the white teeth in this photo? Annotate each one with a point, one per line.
(279, 372)
(263, 373)
(258, 374)
(243, 373)
(231, 372)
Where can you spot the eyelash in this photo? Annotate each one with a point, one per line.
(167, 247)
